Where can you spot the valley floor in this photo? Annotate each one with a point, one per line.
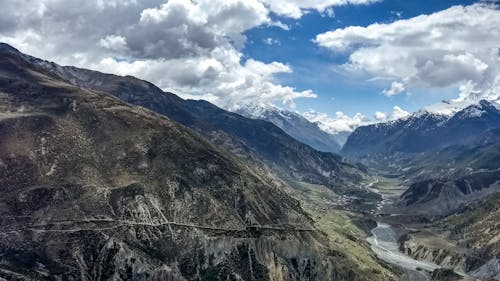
(378, 228)
(428, 249)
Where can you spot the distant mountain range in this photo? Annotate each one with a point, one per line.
(294, 125)
(423, 131)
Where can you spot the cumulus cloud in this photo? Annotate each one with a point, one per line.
(398, 113)
(192, 48)
(396, 88)
(457, 47)
(113, 42)
(338, 124)
(380, 116)
(343, 123)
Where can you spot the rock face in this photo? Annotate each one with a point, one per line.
(444, 196)
(97, 189)
(476, 228)
(434, 250)
(467, 240)
(294, 125)
(446, 275)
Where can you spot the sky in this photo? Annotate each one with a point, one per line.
(338, 62)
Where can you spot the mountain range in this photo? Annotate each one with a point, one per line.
(445, 160)
(109, 178)
(448, 167)
(424, 131)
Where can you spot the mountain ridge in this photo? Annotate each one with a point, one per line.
(210, 121)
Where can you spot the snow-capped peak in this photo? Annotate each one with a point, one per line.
(447, 108)
(263, 110)
(477, 110)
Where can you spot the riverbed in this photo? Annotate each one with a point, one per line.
(384, 239)
(385, 245)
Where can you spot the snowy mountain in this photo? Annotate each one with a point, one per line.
(294, 125)
(424, 131)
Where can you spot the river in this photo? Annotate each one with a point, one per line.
(384, 240)
(384, 243)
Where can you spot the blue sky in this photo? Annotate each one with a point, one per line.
(312, 65)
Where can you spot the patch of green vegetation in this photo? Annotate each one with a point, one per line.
(384, 182)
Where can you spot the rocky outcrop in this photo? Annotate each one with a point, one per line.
(489, 270)
(475, 227)
(444, 196)
(446, 256)
(445, 275)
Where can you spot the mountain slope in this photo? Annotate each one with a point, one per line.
(412, 134)
(475, 227)
(280, 151)
(294, 125)
(97, 189)
(442, 196)
(257, 140)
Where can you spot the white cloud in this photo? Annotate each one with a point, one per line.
(279, 24)
(380, 116)
(271, 41)
(329, 12)
(398, 14)
(113, 42)
(297, 8)
(344, 123)
(398, 113)
(340, 123)
(191, 48)
(396, 88)
(457, 47)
